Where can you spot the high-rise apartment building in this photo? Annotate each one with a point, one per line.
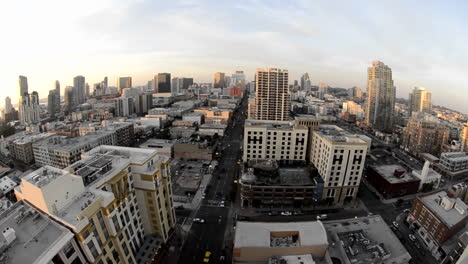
(464, 138)
(339, 158)
(163, 82)
(305, 82)
(219, 80)
(238, 79)
(322, 90)
(420, 100)
(123, 82)
(111, 200)
(424, 134)
(380, 103)
(272, 99)
(8, 105)
(79, 85)
(53, 99)
(355, 92)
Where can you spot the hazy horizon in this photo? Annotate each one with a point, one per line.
(334, 42)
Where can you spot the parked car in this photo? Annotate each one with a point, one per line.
(199, 220)
(322, 217)
(406, 211)
(412, 237)
(395, 224)
(286, 213)
(206, 259)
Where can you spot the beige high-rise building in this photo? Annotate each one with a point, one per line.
(380, 103)
(219, 80)
(112, 200)
(124, 82)
(420, 100)
(272, 98)
(464, 138)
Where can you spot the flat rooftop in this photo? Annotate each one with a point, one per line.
(44, 175)
(390, 171)
(451, 216)
(259, 234)
(6, 185)
(273, 125)
(37, 238)
(348, 237)
(456, 156)
(292, 259)
(28, 137)
(267, 172)
(67, 144)
(336, 134)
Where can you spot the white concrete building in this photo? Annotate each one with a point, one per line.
(427, 176)
(339, 158)
(278, 140)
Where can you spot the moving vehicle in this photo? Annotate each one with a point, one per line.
(395, 224)
(199, 220)
(322, 217)
(206, 259)
(412, 237)
(286, 213)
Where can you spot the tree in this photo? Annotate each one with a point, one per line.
(7, 130)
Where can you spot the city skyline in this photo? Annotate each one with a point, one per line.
(122, 45)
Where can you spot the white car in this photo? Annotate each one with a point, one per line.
(322, 217)
(199, 220)
(412, 237)
(395, 224)
(286, 213)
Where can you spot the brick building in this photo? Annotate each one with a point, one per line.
(392, 180)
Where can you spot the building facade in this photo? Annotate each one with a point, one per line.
(218, 80)
(163, 83)
(339, 158)
(380, 103)
(420, 100)
(124, 82)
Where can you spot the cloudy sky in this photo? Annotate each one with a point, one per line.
(424, 42)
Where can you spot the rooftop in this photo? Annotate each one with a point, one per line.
(394, 173)
(28, 236)
(28, 137)
(44, 175)
(450, 211)
(6, 185)
(457, 156)
(292, 259)
(67, 144)
(348, 237)
(336, 134)
(272, 125)
(259, 234)
(267, 172)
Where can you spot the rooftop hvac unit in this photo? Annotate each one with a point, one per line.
(9, 234)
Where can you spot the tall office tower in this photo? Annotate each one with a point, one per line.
(238, 79)
(272, 98)
(420, 100)
(104, 86)
(305, 82)
(124, 82)
(80, 89)
(114, 200)
(176, 85)
(29, 109)
(339, 158)
(163, 82)
(380, 104)
(69, 101)
(87, 90)
(51, 102)
(23, 85)
(424, 134)
(8, 105)
(219, 80)
(464, 138)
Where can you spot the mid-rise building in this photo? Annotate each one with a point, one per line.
(30, 236)
(60, 152)
(424, 134)
(392, 180)
(339, 158)
(322, 90)
(435, 217)
(163, 82)
(124, 107)
(420, 100)
(20, 145)
(180, 84)
(355, 92)
(454, 164)
(111, 200)
(219, 80)
(215, 115)
(380, 103)
(276, 140)
(272, 99)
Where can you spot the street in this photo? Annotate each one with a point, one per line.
(216, 233)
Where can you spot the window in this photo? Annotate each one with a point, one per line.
(69, 250)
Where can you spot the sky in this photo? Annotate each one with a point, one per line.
(424, 42)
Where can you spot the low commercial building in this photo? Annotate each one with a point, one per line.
(181, 132)
(212, 129)
(215, 115)
(162, 146)
(454, 164)
(364, 240)
(259, 241)
(264, 184)
(197, 151)
(339, 158)
(392, 180)
(29, 236)
(435, 218)
(196, 117)
(277, 140)
(111, 200)
(21, 145)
